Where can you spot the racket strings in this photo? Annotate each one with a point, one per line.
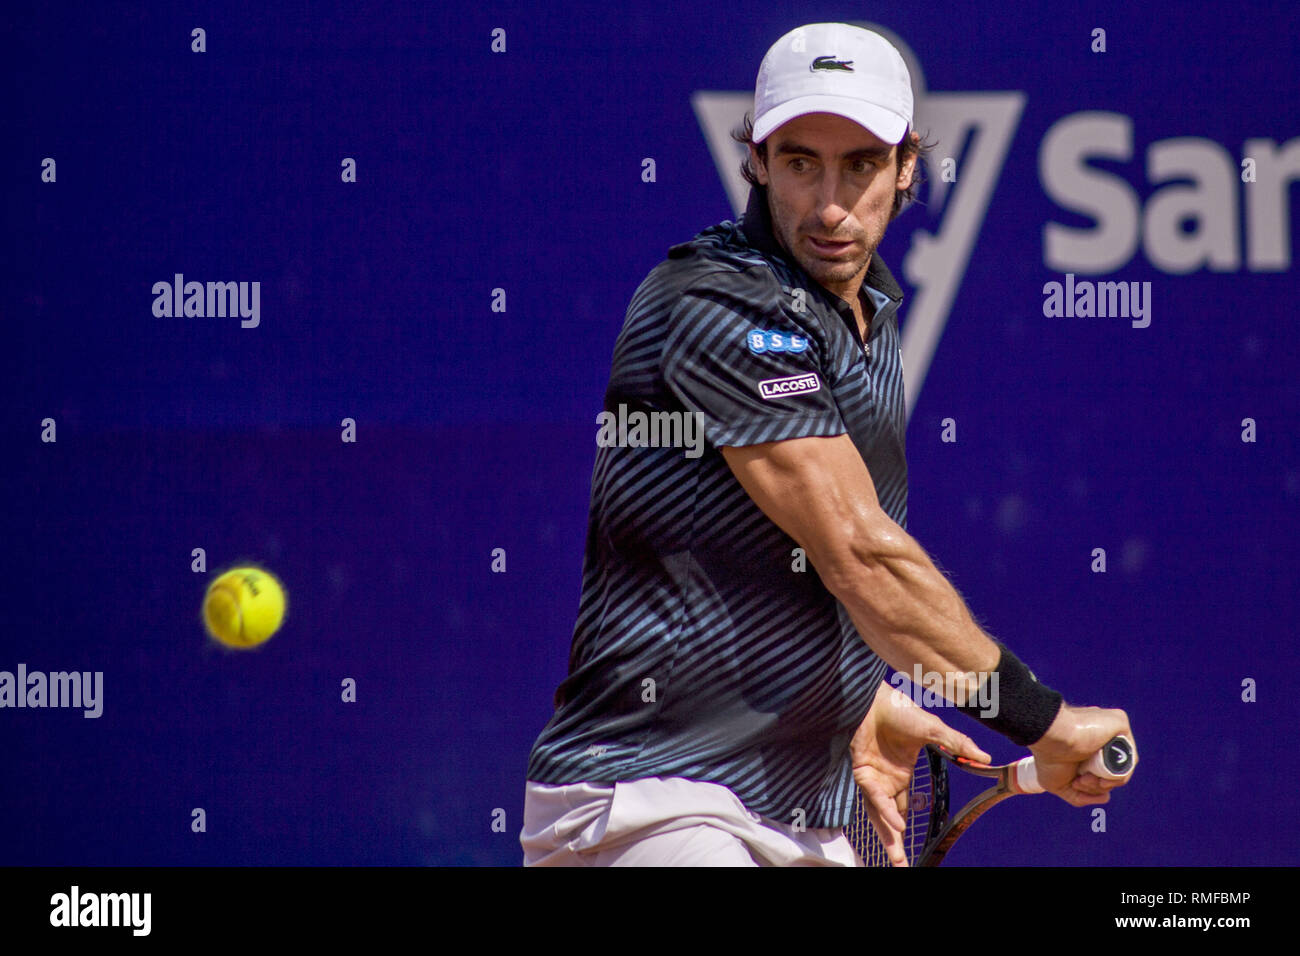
(920, 805)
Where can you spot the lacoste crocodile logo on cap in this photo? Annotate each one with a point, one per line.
(830, 63)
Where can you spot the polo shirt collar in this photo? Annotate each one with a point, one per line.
(756, 225)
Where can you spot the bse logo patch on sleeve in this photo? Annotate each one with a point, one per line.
(790, 385)
(761, 341)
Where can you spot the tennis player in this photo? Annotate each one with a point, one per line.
(739, 606)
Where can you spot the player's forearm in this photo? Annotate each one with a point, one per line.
(818, 491)
(902, 605)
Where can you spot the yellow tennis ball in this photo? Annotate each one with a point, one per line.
(244, 607)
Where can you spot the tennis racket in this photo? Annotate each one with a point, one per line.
(930, 834)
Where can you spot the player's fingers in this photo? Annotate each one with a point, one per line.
(888, 823)
(954, 741)
(1082, 798)
(958, 743)
(892, 841)
(1088, 800)
(1090, 783)
(882, 805)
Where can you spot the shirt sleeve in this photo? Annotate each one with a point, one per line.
(754, 371)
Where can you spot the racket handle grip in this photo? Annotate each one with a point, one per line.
(1112, 762)
(1024, 776)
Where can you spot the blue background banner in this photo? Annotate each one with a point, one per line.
(1168, 440)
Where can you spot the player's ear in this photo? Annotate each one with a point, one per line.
(756, 163)
(907, 168)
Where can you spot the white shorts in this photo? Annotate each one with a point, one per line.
(665, 822)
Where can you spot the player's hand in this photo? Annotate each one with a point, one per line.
(1075, 735)
(884, 752)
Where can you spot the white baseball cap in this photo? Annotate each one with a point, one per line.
(834, 68)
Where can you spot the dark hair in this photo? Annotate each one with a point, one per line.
(906, 149)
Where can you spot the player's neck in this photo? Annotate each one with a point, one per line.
(850, 290)
(863, 307)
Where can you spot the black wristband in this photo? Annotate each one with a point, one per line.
(1023, 708)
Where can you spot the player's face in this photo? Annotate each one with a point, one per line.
(830, 185)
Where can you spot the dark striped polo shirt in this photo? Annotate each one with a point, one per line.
(705, 646)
